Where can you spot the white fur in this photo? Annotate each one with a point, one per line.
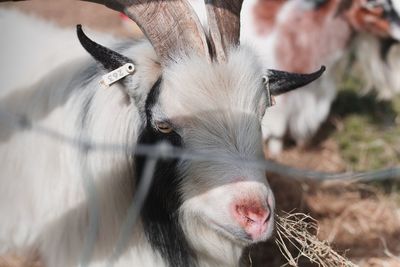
(396, 6)
(43, 201)
(380, 75)
(60, 48)
(43, 179)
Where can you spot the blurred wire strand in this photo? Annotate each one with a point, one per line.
(164, 150)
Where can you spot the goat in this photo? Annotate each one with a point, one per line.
(380, 64)
(298, 35)
(203, 93)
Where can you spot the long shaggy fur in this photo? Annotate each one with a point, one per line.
(16, 28)
(45, 182)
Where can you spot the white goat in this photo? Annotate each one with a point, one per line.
(202, 93)
(299, 35)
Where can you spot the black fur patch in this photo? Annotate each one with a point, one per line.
(318, 3)
(160, 211)
(385, 46)
(343, 6)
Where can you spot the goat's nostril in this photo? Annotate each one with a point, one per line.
(252, 214)
(253, 217)
(259, 217)
(249, 220)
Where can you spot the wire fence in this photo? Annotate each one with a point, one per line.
(164, 151)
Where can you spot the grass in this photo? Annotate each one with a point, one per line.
(368, 129)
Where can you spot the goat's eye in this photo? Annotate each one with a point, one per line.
(164, 127)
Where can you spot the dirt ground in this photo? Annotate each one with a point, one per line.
(68, 13)
(359, 221)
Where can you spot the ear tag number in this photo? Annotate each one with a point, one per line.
(117, 74)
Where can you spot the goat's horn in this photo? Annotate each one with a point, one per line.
(224, 23)
(171, 26)
(281, 81)
(110, 59)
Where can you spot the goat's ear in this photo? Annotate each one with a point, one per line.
(110, 59)
(138, 85)
(279, 82)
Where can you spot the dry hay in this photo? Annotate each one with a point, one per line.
(297, 229)
(357, 218)
(360, 221)
(379, 262)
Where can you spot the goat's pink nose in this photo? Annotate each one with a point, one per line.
(253, 218)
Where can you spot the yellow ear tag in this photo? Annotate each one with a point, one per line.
(117, 74)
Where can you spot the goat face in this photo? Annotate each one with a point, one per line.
(216, 109)
(380, 18)
(213, 108)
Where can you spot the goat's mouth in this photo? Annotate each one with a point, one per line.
(238, 235)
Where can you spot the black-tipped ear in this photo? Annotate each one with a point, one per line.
(280, 82)
(110, 59)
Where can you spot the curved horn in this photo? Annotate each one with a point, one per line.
(282, 82)
(171, 26)
(224, 22)
(110, 59)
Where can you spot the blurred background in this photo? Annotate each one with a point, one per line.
(360, 132)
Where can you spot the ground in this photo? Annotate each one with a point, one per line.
(361, 221)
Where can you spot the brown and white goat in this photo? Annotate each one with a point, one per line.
(299, 35)
(199, 92)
